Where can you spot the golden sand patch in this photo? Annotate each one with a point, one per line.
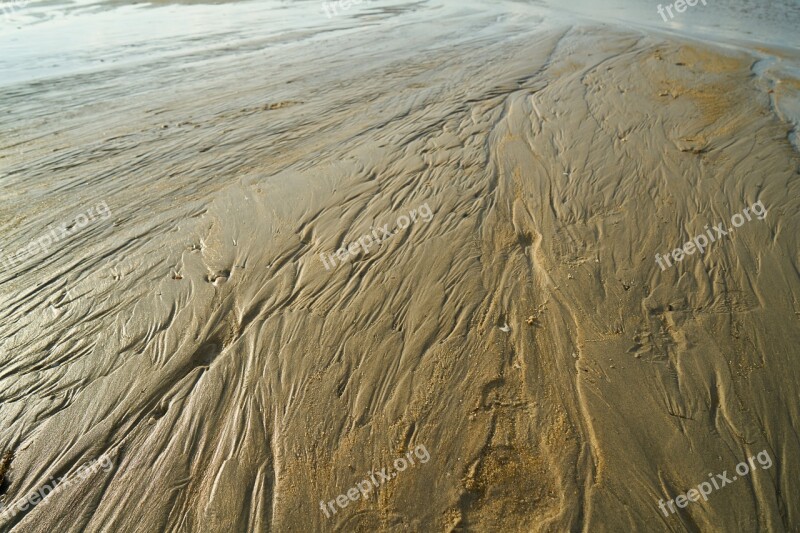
(508, 489)
(711, 61)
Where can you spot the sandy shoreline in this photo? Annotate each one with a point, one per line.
(524, 335)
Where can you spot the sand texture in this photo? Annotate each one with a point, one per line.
(559, 379)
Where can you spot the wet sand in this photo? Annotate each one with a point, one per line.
(560, 380)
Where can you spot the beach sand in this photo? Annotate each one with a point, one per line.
(524, 334)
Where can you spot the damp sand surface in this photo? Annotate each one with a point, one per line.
(523, 333)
